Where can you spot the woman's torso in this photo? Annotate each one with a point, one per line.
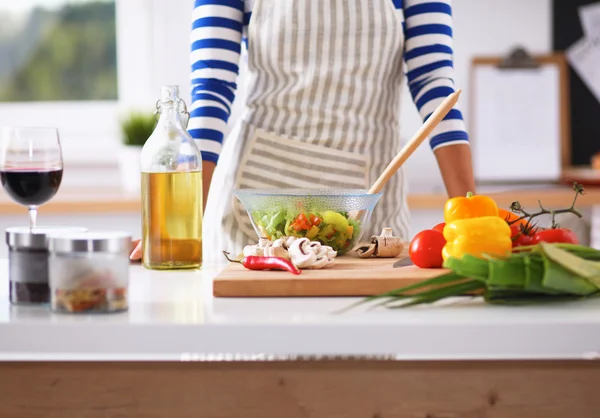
(327, 75)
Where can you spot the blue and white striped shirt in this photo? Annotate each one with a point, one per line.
(220, 27)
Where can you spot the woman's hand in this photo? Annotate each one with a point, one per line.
(136, 250)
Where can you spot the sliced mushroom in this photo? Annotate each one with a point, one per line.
(253, 250)
(301, 251)
(321, 253)
(265, 248)
(301, 254)
(385, 245)
(280, 243)
(289, 241)
(274, 251)
(319, 263)
(278, 249)
(331, 253)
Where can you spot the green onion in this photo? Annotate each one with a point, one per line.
(536, 274)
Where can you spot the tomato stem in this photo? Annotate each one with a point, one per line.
(230, 259)
(517, 208)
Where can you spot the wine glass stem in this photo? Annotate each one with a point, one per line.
(32, 216)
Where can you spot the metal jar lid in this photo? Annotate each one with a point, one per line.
(114, 242)
(26, 238)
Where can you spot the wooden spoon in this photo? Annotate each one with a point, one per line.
(423, 132)
(426, 129)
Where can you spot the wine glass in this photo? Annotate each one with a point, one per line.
(31, 166)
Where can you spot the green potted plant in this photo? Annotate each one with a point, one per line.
(136, 128)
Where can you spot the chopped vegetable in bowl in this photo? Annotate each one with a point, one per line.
(334, 229)
(334, 217)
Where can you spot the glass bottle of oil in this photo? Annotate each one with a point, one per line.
(171, 167)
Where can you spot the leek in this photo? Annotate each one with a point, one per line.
(537, 274)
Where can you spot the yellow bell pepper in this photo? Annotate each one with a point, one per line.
(469, 207)
(486, 235)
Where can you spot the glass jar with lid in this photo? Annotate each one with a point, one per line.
(28, 262)
(89, 272)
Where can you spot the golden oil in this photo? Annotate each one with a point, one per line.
(172, 220)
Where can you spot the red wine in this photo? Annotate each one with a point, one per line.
(31, 188)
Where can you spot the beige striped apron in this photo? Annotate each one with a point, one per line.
(322, 110)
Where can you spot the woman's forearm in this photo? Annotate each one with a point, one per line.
(456, 166)
(430, 84)
(208, 168)
(216, 44)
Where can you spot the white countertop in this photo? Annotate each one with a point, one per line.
(173, 316)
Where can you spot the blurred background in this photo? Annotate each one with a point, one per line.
(83, 65)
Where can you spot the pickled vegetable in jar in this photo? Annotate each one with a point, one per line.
(89, 272)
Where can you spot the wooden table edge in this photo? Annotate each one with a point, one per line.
(325, 388)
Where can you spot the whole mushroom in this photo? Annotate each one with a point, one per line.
(385, 245)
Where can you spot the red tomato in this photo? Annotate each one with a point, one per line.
(425, 249)
(440, 227)
(523, 240)
(301, 223)
(314, 220)
(561, 235)
(302, 219)
(520, 239)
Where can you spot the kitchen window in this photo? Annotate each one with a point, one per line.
(59, 68)
(58, 51)
(81, 65)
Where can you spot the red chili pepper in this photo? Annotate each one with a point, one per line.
(265, 263)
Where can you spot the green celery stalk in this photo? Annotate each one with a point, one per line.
(534, 276)
(508, 274)
(582, 251)
(571, 262)
(559, 279)
(469, 266)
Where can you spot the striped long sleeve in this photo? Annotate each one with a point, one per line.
(429, 60)
(217, 36)
(217, 27)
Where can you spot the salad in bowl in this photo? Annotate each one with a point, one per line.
(333, 217)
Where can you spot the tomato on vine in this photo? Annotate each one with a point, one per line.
(554, 235)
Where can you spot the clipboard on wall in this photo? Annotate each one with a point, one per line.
(519, 118)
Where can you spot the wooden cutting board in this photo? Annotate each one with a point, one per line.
(350, 276)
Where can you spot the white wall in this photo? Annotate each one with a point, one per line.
(481, 27)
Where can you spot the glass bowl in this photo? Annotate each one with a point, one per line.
(334, 217)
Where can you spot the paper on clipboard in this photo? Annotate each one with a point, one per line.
(589, 16)
(584, 57)
(517, 116)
